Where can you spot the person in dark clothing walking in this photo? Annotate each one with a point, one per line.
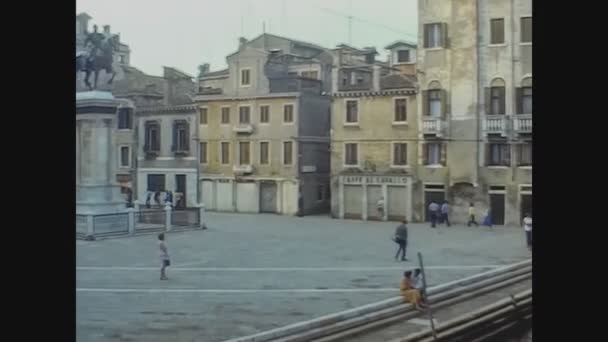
(401, 239)
(445, 210)
(434, 211)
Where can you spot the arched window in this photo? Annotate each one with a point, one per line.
(434, 100)
(524, 96)
(495, 97)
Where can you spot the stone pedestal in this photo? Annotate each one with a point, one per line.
(97, 191)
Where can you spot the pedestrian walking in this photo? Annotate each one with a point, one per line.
(148, 198)
(169, 199)
(445, 210)
(472, 215)
(400, 238)
(487, 221)
(164, 256)
(528, 230)
(434, 211)
(380, 207)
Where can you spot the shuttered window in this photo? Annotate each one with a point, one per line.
(400, 154)
(498, 154)
(350, 155)
(400, 110)
(352, 111)
(526, 30)
(497, 31)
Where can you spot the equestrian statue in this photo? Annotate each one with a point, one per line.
(99, 55)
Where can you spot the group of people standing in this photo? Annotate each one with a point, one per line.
(440, 214)
(164, 197)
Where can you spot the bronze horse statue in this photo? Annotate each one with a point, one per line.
(101, 60)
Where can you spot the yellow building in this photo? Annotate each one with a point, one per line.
(264, 129)
(373, 139)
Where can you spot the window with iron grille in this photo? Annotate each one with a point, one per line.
(244, 115)
(125, 118)
(499, 154)
(152, 144)
(352, 111)
(287, 152)
(400, 110)
(264, 152)
(350, 154)
(226, 115)
(400, 154)
(264, 114)
(288, 113)
(497, 31)
(181, 136)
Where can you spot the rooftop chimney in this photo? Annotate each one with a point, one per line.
(106, 29)
(242, 42)
(203, 69)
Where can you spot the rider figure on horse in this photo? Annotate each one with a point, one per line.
(93, 44)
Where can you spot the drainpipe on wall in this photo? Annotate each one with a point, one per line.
(477, 126)
(513, 167)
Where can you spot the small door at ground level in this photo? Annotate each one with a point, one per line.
(437, 196)
(397, 203)
(268, 197)
(374, 192)
(208, 195)
(526, 206)
(353, 195)
(497, 207)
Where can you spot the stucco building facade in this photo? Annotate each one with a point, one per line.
(264, 128)
(374, 132)
(475, 106)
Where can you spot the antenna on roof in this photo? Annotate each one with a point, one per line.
(263, 27)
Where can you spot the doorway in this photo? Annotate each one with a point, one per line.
(497, 208)
(180, 189)
(438, 196)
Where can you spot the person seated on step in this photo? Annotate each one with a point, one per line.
(409, 293)
(418, 283)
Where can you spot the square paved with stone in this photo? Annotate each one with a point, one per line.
(249, 273)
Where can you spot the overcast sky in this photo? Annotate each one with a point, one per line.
(187, 33)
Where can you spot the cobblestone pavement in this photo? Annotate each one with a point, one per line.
(249, 273)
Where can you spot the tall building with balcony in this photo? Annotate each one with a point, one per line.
(374, 133)
(264, 128)
(475, 108)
